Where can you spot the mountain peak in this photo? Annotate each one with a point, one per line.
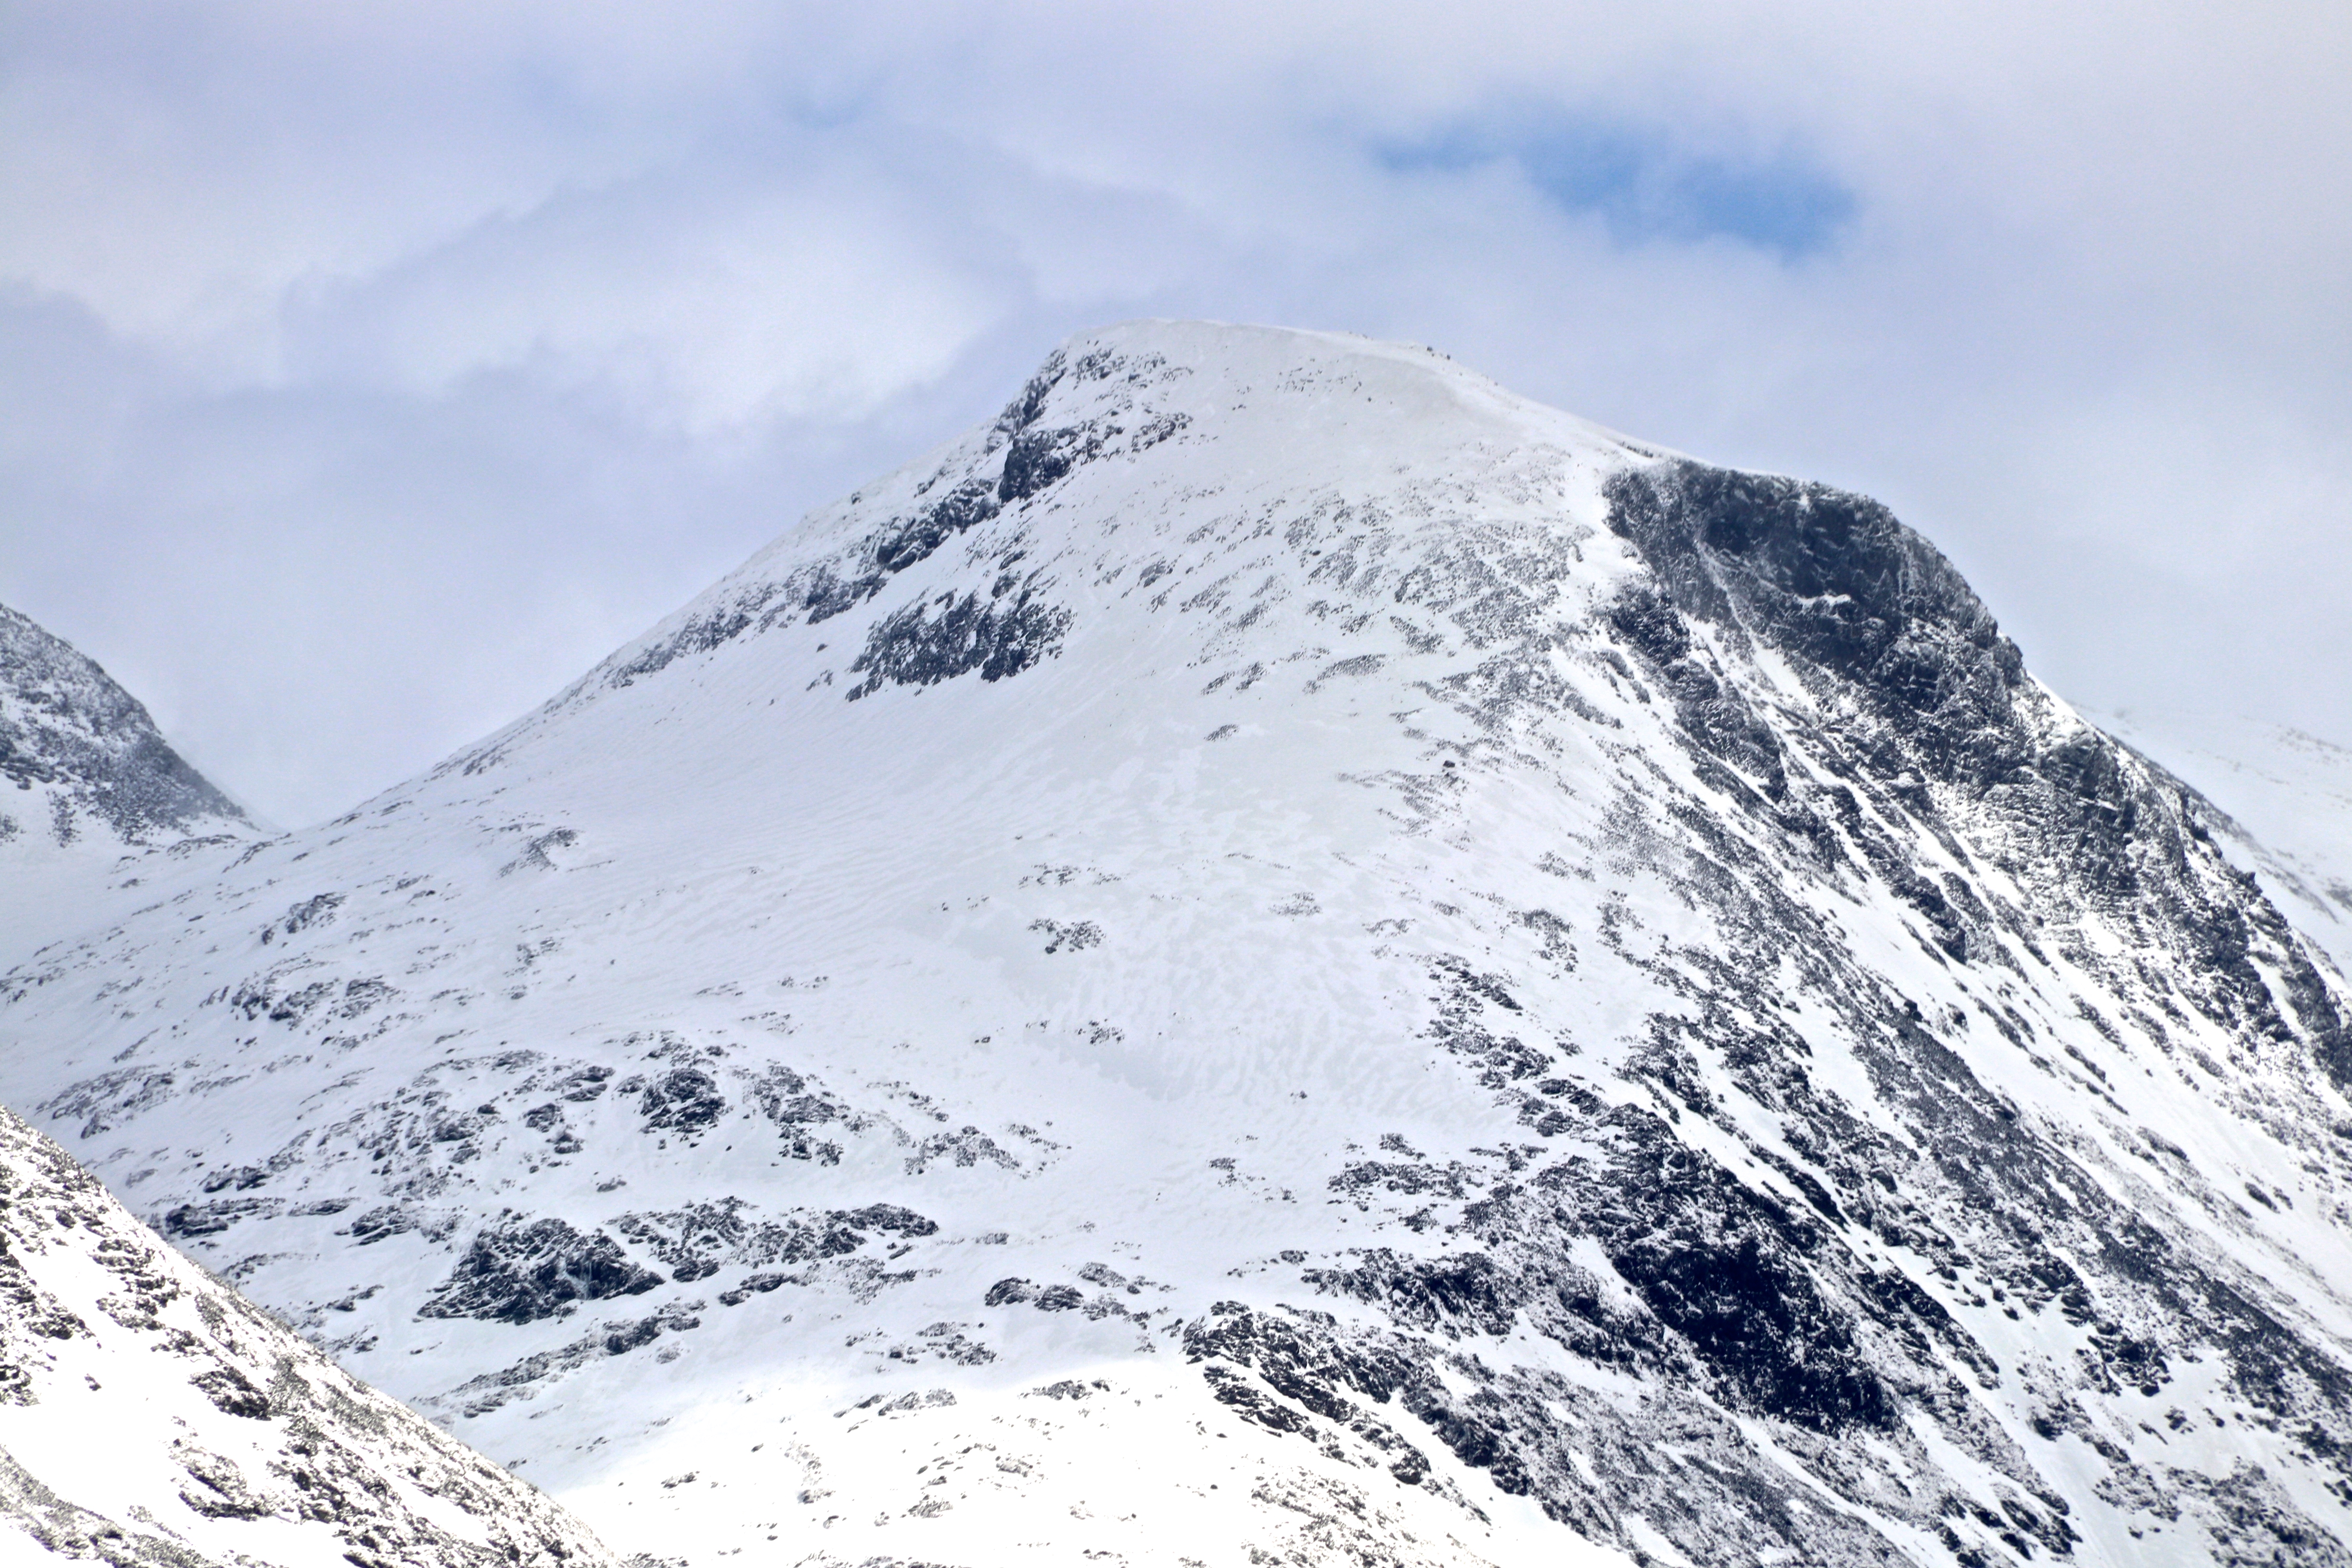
(1303, 420)
(93, 800)
(85, 757)
(1303, 952)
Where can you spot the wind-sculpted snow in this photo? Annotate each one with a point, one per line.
(148, 1416)
(1282, 953)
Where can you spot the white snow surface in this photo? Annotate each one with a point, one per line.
(151, 1415)
(945, 1006)
(2287, 796)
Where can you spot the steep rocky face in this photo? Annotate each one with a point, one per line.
(150, 1415)
(1282, 950)
(1912, 684)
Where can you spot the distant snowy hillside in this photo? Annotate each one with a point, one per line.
(2287, 800)
(150, 1415)
(90, 795)
(1282, 955)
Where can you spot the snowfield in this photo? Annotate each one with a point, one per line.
(1281, 956)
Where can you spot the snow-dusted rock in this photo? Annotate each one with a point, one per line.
(149, 1414)
(94, 803)
(1284, 952)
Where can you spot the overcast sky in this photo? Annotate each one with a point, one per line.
(367, 371)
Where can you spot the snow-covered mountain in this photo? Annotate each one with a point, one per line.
(148, 1415)
(1281, 954)
(92, 797)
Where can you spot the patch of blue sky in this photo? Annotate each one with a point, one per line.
(1645, 187)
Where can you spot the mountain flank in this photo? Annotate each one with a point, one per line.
(86, 754)
(1279, 955)
(151, 1416)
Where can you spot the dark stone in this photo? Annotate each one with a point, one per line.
(643, 1331)
(1831, 577)
(521, 1274)
(788, 1100)
(586, 1084)
(1462, 1290)
(1252, 1403)
(1025, 410)
(969, 504)
(378, 1223)
(754, 1284)
(914, 647)
(887, 1217)
(316, 910)
(190, 1220)
(1037, 458)
(683, 1099)
(830, 594)
(233, 1392)
(718, 625)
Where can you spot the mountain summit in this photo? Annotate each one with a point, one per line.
(1282, 953)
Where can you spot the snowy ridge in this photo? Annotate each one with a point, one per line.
(151, 1415)
(1281, 950)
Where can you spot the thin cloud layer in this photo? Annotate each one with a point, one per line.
(1644, 187)
(374, 369)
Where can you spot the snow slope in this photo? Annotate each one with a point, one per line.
(1283, 952)
(150, 1415)
(93, 801)
(2284, 800)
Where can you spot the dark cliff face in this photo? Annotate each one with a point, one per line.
(1835, 582)
(1921, 697)
(66, 726)
(1917, 761)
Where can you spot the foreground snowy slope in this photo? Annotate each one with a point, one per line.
(1283, 951)
(93, 801)
(148, 1416)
